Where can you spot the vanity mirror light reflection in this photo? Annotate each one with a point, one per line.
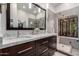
(25, 16)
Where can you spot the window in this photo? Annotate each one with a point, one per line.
(68, 26)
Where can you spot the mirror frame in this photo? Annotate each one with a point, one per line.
(0, 9)
(8, 19)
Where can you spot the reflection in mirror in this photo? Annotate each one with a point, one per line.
(25, 15)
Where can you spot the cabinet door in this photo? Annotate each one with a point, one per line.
(52, 42)
(52, 45)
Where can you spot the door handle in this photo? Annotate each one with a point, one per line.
(44, 42)
(44, 50)
(5, 53)
(25, 50)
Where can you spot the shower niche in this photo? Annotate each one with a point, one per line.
(68, 26)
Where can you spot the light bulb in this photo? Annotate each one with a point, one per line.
(30, 6)
(24, 7)
(39, 10)
(47, 5)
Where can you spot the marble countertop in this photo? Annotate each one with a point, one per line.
(11, 41)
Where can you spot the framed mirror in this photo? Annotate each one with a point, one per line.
(25, 16)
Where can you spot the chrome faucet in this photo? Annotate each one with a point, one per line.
(18, 34)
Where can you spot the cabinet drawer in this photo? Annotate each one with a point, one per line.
(45, 54)
(5, 52)
(31, 53)
(53, 40)
(41, 49)
(0, 52)
(51, 52)
(42, 42)
(19, 49)
(25, 48)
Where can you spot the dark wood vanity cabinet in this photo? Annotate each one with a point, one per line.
(52, 45)
(42, 47)
(46, 46)
(52, 42)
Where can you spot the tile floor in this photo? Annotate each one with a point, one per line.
(59, 54)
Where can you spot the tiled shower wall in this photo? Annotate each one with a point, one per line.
(13, 33)
(51, 22)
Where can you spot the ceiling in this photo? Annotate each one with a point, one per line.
(55, 4)
(25, 7)
(52, 6)
(59, 7)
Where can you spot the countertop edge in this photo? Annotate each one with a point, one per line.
(2, 46)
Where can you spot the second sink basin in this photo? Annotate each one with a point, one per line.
(26, 36)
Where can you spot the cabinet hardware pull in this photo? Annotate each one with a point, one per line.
(25, 50)
(5, 53)
(45, 50)
(45, 42)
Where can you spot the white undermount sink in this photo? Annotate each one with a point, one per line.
(26, 36)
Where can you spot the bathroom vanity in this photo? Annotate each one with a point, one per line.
(35, 45)
(21, 17)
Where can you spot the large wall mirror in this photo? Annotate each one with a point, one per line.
(25, 16)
